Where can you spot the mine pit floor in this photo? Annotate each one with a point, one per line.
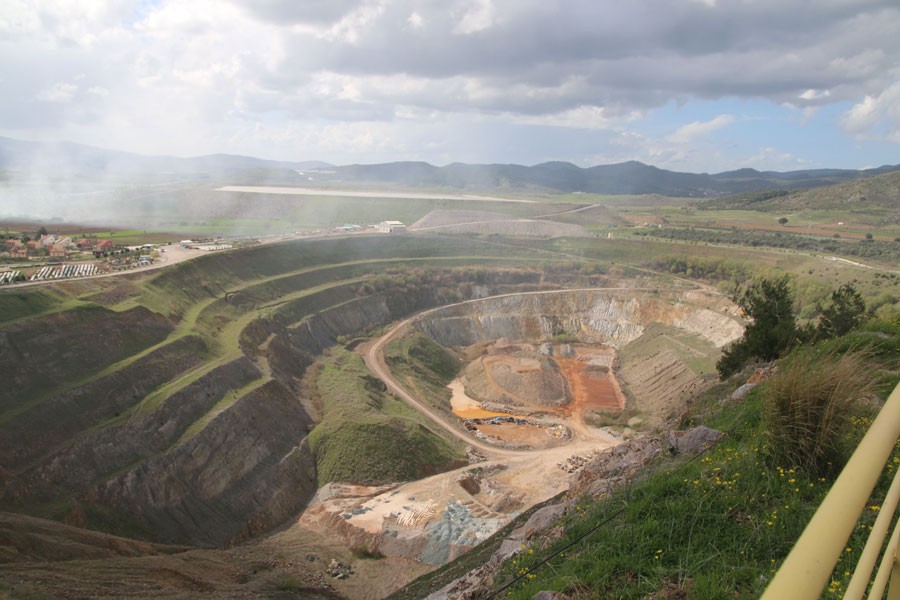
(591, 382)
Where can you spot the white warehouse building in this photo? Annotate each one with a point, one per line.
(391, 227)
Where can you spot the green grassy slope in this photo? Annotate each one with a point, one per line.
(425, 368)
(369, 436)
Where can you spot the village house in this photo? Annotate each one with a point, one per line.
(84, 243)
(59, 251)
(17, 249)
(103, 246)
(47, 240)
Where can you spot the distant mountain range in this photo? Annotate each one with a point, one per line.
(624, 178)
(67, 158)
(61, 159)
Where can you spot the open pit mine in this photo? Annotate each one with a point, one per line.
(531, 408)
(200, 406)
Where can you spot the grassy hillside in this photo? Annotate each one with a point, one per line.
(369, 436)
(872, 195)
(425, 368)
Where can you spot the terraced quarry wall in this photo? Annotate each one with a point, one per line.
(667, 341)
(175, 411)
(614, 317)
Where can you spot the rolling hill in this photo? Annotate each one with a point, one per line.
(631, 178)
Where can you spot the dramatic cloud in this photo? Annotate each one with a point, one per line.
(876, 117)
(359, 80)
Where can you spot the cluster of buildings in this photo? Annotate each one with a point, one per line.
(55, 246)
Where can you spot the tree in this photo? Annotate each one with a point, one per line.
(772, 329)
(782, 221)
(844, 314)
(41, 231)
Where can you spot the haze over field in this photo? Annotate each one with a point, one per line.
(696, 85)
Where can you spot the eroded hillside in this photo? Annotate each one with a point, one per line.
(175, 412)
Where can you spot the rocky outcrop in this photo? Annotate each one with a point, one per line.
(604, 473)
(613, 317)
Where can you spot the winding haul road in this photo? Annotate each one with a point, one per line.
(374, 360)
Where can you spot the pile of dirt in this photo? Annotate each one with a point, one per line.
(536, 381)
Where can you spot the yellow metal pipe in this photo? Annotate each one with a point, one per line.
(894, 590)
(862, 574)
(888, 564)
(807, 569)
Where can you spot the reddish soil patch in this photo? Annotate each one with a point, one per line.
(592, 388)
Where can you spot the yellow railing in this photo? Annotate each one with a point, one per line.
(807, 569)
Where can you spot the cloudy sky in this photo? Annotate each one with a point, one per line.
(692, 85)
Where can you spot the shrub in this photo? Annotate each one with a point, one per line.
(809, 405)
(364, 553)
(289, 584)
(844, 314)
(768, 304)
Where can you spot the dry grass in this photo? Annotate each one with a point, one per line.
(808, 408)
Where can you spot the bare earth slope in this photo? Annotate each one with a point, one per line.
(454, 221)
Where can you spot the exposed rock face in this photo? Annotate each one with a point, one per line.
(38, 353)
(25, 439)
(604, 473)
(613, 317)
(147, 473)
(247, 466)
(662, 377)
(251, 460)
(103, 451)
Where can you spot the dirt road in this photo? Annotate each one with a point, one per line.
(374, 359)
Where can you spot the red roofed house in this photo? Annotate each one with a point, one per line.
(103, 246)
(17, 250)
